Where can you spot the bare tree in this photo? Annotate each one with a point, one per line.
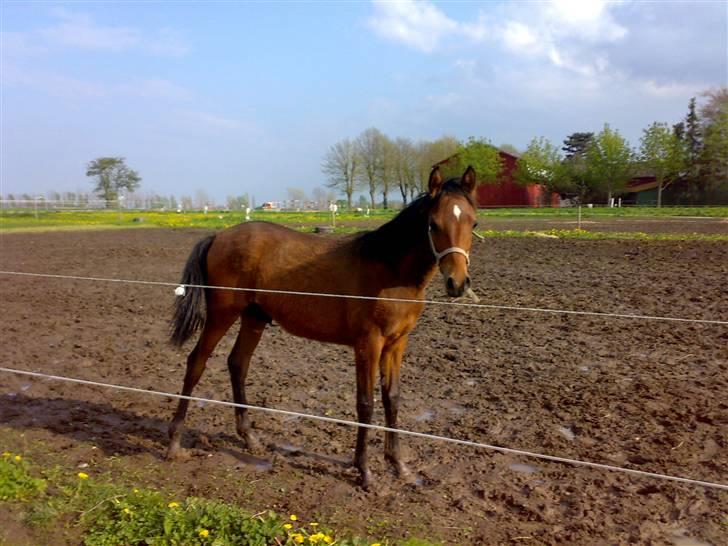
(201, 199)
(431, 152)
(341, 165)
(406, 166)
(297, 196)
(370, 145)
(322, 197)
(388, 168)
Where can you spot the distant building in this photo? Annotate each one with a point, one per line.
(506, 192)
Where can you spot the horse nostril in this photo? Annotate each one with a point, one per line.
(466, 284)
(450, 284)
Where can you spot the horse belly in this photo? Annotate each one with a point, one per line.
(313, 317)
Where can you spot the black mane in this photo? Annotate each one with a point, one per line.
(396, 238)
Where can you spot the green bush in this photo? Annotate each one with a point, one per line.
(16, 483)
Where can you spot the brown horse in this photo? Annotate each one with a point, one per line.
(397, 260)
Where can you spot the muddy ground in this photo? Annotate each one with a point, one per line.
(647, 395)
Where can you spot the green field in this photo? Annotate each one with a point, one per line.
(14, 220)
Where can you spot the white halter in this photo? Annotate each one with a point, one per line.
(453, 249)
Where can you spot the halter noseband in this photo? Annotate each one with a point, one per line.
(453, 249)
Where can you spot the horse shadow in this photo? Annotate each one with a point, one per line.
(120, 432)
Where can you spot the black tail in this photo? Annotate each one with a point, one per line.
(190, 309)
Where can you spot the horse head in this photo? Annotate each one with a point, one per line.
(452, 218)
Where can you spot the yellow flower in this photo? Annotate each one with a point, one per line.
(173, 504)
(204, 533)
(294, 517)
(126, 511)
(313, 524)
(376, 544)
(18, 458)
(136, 491)
(6, 454)
(297, 538)
(328, 539)
(82, 476)
(313, 539)
(287, 526)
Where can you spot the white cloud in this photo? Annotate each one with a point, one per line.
(62, 85)
(82, 31)
(213, 121)
(419, 25)
(567, 33)
(518, 37)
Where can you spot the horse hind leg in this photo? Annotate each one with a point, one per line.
(251, 330)
(215, 327)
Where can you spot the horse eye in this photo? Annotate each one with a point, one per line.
(433, 225)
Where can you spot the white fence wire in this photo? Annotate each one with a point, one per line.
(376, 298)
(334, 420)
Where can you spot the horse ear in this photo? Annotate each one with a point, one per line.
(435, 183)
(468, 181)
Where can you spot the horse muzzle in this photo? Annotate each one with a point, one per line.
(456, 289)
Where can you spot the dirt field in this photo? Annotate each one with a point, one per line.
(642, 394)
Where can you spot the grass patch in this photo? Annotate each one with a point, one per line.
(16, 483)
(601, 235)
(26, 220)
(109, 514)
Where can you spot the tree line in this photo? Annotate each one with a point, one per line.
(691, 155)
(381, 165)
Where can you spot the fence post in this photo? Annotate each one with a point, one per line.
(578, 221)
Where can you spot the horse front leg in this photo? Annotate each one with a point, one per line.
(367, 353)
(390, 364)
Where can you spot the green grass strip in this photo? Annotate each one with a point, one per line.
(109, 514)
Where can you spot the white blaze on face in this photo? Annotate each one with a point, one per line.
(457, 212)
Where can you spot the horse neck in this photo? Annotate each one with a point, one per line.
(402, 244)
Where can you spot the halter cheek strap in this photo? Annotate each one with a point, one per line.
(453, 249)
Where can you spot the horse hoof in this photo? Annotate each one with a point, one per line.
(404, 473)
(365, 480)
(251, 442)
(176, 453)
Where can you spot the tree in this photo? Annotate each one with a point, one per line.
(715, 152)
(237, 202)
(201, 199)
(297, 196)
(370, 146)
(479, 154)
(406, 166)
(428, 154)
(322, 197)
(576, 144)
(663, 153)
(693, 137)
(509, 149)
(112, 175)
(717, 100)
(388, 168)
(609, 162)
(542, 164)
(341, 165)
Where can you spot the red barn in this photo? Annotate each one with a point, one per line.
(506, 192)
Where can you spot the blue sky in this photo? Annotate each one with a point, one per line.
(236, 98)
